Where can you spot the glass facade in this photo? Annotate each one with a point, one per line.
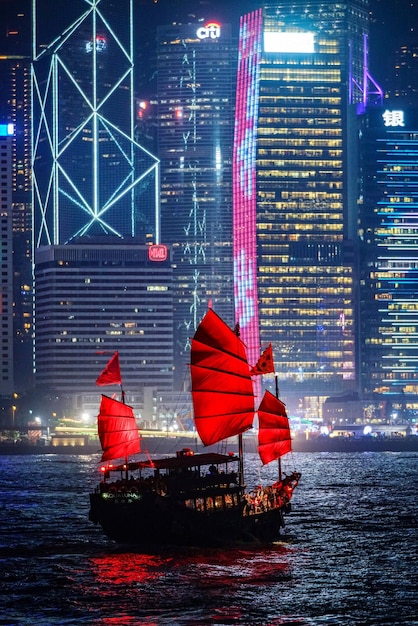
(305, 280)
(93, 300)
(94, 287)
(195, 133)
(389, 252)
(244, 185)
(87, 166)
(7, 132)
(15, 107)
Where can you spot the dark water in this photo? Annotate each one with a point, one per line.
(349, 555)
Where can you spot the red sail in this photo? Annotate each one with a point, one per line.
(274, 433)
(118, 431)
(222, 391)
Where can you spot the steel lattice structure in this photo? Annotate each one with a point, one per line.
(89, 173)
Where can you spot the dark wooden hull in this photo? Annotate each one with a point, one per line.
(161, 521)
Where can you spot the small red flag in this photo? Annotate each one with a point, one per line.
(111, 373)
(265, 364)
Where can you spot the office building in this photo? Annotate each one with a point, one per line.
(93, 300)
(195, 87)
(88, 175)
(87, 167)
(388, 256)
(394, 50)
(6, 253)
(15, 108)
(301, 73)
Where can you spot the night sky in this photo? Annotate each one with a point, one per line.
(392, 21)
(392, 24)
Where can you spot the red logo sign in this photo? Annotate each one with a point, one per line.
(157, 252)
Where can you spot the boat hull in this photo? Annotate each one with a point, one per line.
(160, 520)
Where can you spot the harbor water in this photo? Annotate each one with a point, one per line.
(348, 555)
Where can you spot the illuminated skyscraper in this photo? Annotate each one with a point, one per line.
(301, 71)
(403, 85)
(195, 132)
(95, 288)
(15, 108)
(6, 254)
(388, 247)
(87, 167)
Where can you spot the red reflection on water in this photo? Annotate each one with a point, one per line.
(129, 568)
(145, 582)
(124, 620)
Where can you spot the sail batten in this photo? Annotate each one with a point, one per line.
(274, 440)
(222, 390)
(214, 370)
(118, 432)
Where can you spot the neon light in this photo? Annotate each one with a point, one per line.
(393, 118)
(244, 183)
(209, 31)
(76, 190)
(158, 253)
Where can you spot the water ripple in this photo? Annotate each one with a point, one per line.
(348, 556)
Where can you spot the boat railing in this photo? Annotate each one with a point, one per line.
(173, 482)
(274, 496)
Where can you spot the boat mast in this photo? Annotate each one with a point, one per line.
(279, 460)
(240, 440)
(241, 460)
(122, 399)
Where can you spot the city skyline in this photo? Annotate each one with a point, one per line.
(139, 87)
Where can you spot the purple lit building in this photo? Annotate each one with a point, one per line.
(302, 69)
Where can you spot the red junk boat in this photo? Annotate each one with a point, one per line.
(196, 499)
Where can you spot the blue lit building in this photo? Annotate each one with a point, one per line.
(195, 87)
(96, 288)
(6, 255)
(15, 108)
(88, 169)
(389, 255)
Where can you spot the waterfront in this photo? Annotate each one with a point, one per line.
(169, 444)
(348, 556)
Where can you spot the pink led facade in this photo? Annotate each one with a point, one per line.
(244, 183)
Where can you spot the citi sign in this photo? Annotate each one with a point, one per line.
(209, 31)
